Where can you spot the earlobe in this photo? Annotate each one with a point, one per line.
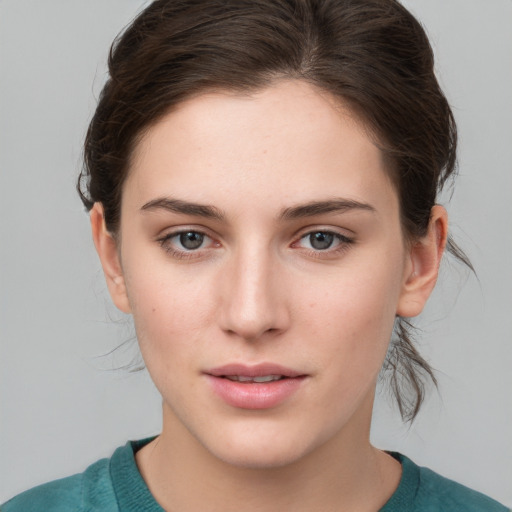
(422, 268)
(106, 247)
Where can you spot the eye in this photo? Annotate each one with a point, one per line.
(323, 241)
(320, 240)
(186, 243)
(190, 240)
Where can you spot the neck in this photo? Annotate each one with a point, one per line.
(344, 473)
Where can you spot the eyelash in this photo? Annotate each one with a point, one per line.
(343, 244)
(182, 254)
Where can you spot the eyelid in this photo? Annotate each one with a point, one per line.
(337, 231)
(170, 231)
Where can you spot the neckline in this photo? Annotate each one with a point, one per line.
(405, 494)
(133, 495)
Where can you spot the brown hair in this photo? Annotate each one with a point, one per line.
(372, 54)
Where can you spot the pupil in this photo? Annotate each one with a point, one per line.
(191, 240)
(321, 240)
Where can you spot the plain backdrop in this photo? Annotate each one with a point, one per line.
(64, 404)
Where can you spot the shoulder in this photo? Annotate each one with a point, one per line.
(423, 490)
(90, 490)
(64, 494)
(443, 494)
(109, 485)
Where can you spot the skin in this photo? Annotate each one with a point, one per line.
(256, 290)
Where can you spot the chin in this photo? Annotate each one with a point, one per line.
(256, 457)
(261, 446)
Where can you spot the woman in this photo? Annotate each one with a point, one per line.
(262, 180)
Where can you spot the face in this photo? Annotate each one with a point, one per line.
(262, 257)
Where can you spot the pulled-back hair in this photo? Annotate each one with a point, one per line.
(371, 54)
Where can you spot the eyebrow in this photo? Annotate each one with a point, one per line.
(337, 205)
(184, 207)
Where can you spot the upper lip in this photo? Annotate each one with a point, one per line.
(257, 370)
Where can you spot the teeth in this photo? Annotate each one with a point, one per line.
(263, 378)
(267, 378)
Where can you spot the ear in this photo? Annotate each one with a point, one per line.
(107, 249)
(422, 267)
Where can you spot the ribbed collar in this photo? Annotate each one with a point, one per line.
(131, 491)
(133, 495)
(404, 496)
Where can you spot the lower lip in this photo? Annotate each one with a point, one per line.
(252, 395)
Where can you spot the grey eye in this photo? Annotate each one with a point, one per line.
(191, 240)
(321, 240)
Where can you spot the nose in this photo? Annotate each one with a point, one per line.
(254, 300)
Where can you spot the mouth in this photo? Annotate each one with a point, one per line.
(263, 378)
(259, 373)
(262, 386)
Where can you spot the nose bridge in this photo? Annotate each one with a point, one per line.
(253, 304)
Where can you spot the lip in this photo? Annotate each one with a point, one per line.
(250, 395)
(257, 370)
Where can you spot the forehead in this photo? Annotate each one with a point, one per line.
(282, 144)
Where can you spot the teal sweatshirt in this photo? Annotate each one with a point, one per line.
(115, 485)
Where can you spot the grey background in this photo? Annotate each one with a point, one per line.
(62, 406)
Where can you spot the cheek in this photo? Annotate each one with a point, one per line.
(355, 315)
(170, 312)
